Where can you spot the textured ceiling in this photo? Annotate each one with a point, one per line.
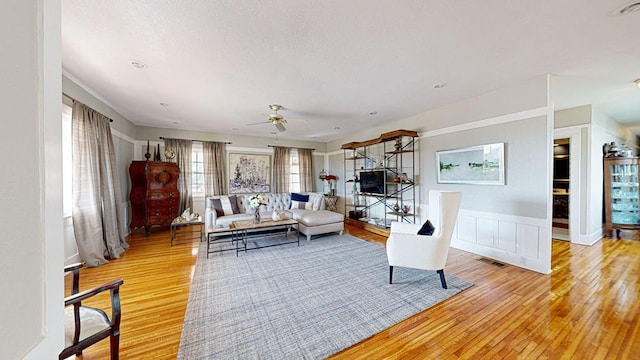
(219, 64)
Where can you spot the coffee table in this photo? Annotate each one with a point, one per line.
(182, 222)
(239, 232)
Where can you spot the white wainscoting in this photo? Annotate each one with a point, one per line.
(198, 205)
(515, 240)
(70, 248)
(124, 222)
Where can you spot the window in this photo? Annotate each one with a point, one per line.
(294, 172)
(67, 169)
(197, 169)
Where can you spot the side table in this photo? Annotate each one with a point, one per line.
(182, 222)
(331, 202)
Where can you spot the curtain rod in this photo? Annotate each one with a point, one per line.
(289, 147)
(163, 138)
(63, 93)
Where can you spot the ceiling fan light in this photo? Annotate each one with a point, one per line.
(637, 81)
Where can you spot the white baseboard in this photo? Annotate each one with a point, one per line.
(75, 258)
(592, 238)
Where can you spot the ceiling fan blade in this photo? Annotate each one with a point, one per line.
(279, 126)
(258, 123)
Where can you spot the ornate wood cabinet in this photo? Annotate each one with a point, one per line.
(621, 194)
(154, 196)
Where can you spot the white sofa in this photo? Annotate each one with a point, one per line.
(312, 221)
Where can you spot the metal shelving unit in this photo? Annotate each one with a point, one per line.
(393, 153)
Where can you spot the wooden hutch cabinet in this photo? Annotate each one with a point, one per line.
(154, 194)
(621, 194)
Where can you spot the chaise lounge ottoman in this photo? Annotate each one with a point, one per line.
(318, 222)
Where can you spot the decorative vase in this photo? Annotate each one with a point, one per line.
(398, 144)
(256, 216)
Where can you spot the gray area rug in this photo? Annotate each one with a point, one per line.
(306, 302)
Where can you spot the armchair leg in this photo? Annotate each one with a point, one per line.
(115, 347)
(442, 280)
(390, 274)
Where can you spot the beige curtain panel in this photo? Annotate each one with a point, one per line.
(215, 168)
(97, 206)
(281, 169)
(305, 162)
(182, 149)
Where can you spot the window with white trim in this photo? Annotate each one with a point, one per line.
(294, 172)
(197, 169)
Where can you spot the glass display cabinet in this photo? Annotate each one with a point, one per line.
(621, 193)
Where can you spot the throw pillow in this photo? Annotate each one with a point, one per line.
(225, 205)
(315, 200)
(426, 229)
(299, 201)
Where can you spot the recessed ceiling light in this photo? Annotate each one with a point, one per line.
(439, 85)
(138, 64)
(175, 122)
(373, 113)
(234, 129)
(164, 104)
(628, 9)
(336, 128)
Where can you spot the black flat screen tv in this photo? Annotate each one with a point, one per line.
(372, 182)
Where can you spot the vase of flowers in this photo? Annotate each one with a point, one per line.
(255, 201)
(330, 179)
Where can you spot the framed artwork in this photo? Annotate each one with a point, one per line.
(480, 165)
(249, 173)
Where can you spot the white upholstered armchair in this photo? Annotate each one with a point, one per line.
(405, 248)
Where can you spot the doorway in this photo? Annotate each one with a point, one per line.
(561, 188)
(566, 185)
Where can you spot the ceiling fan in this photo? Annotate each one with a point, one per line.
(275, 118)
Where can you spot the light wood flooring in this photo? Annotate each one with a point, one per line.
(588, 308)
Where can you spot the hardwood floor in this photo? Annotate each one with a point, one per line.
(588, 308)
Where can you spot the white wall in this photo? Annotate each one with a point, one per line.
(595, 128)
(239, 144)
(510, 223)
(31, 215)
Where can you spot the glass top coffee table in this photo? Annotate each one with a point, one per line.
(180, 222)
(239, 232)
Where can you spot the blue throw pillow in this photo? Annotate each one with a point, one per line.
(298, 201)
(426, 229)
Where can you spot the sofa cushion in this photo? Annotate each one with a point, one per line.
(315, 218)
(275, 201)
(316, 201)
(225, 205)
(299, 201)
(225, 221)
